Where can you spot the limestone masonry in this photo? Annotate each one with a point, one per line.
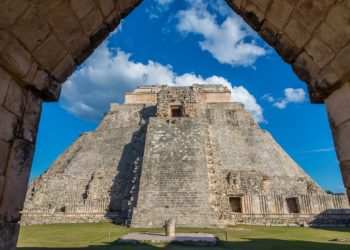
(179, 152)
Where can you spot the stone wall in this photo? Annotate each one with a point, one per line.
(174, 180)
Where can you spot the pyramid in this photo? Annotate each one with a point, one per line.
(177, 152)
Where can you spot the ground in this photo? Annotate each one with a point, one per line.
(95, 236)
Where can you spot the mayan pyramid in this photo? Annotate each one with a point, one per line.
(177, 152)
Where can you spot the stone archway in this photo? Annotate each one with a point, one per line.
(42, 42)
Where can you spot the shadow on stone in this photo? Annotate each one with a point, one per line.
(124, 191)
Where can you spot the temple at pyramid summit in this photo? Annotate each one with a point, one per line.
(187, 153)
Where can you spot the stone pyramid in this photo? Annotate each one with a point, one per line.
(177, 152)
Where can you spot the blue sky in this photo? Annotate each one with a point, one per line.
(181, 42)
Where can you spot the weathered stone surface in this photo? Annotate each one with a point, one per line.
(4, 151)
(64, 69)
(31, 117)
(7, 125)
(341, 135)
(4, 84)
(345, 170)
(341, 62)
(13, 56)
(45, 7)
(92, 22)
(49, 88)
(50, 53)
(17, 176)
(336, 29)
(279, 12)
(297, 32)
(65, 25)
(286, 48)
(144, 163)
(305, 68)
(319, 52)
(15, 99)
(311, 12)
(106, 6)
(338, 104)
(31, 29)
(262, 4)
(8, 235)
(82, 7)
(11, 10)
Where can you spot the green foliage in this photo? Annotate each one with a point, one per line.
(95, 236)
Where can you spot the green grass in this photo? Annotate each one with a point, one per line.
(94, 236)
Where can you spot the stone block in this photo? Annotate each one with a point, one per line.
(236, 5)
(49, 88)
(31, 117)
(45, 7)
(30, 74)
(65, 25)
(126, 6)
(341, 63)
(326, 81)
(31, 29)
(82, 7)
(262, 4)
(8, 235)
(2, 185)
(320, 52)
(311, 12)
(100, 36)
(17, 177)
(11, 10)
(253, 16)
(305, 68)
(83, 50)
(336, 29)
(269, 33)
(279, 13)
(107, 6)
(13, 56)
(4, 152)
(50, 53)
(297, 32)
(92, 22)
(64, 69)
(286, 48)
(113, 20)
(4, 83)
(8, 125)
(345, 172)
(338, 104)
(15, 99)
(341, 135)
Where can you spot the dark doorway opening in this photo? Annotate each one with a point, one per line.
(236, 204)
(176, 112)
(293, 205)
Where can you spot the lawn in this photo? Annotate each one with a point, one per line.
(95, 236)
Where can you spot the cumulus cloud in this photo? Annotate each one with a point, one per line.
(108, 73)
(290, 96)
(228, 42)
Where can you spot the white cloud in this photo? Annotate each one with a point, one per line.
(290, 96)
(107, 74)
(158, 7)
(226, 42)
(164, 2)
(319, 150)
